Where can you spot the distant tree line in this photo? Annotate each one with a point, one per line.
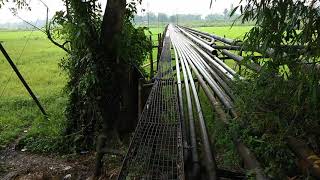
(22, 25)
(153, 18)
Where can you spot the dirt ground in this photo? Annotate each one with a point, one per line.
(18, 165)
(24, 165)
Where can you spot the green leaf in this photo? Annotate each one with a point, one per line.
(233, 11)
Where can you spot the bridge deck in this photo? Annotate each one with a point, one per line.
(156, 149)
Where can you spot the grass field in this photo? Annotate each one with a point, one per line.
(39, 65)
(37, 60)
(235, 32)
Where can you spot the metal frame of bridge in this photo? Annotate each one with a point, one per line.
(165, 144)
(156, 149)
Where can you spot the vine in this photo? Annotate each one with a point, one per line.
(92, 87)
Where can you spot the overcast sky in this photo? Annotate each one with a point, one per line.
(165, 6)
(187, 6)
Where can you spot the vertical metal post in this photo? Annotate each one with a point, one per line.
(14, 67)
(151, 59)
(159, 52)
(140, 84)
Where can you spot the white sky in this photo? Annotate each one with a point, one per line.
(188, 6)
(165, 6)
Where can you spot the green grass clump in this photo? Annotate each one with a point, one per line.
(37, 59)
(272, 108)
(46, 135)
(221, 139)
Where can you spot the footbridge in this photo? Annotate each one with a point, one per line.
(171, 140)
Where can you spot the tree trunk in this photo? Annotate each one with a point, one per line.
(124, 77)
(112, 25)
(110, 32)
(116, 99)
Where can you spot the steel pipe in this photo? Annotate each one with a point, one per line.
(249, 159)
(193, 141)
(222, 80)
(224, 40)
(228, 47)
(252, 66)
(201, 43)
(215, 104)
(221, 95)
(183, 127)
(210, 161)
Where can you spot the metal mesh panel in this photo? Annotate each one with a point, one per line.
(155, 151)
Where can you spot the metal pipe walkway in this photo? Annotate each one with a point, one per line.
(156, 150)
(165, 144)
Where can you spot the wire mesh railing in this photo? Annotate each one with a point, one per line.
(156, 149)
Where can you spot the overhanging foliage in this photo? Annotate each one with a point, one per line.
(283, 99)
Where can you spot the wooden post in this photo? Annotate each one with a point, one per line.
(159, 52)
(151, 59)
(140, 84)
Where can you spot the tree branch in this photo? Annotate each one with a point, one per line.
(62, 46)
(47, 31)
